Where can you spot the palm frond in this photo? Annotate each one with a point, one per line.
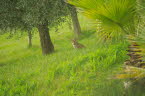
(117, 16)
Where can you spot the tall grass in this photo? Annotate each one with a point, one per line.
(67, 72)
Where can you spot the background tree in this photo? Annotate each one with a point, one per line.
(75, 20)
(42, 14)
(11, 19)
(29, 38)
(28, 29)
(10, 15)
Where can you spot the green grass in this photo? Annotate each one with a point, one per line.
(67, 72)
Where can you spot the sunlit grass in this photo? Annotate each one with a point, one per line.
(67, 72)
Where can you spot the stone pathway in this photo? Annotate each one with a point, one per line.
(134, 71)
(135, 56)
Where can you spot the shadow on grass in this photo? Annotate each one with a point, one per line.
(34, 47)
(87, 34)
(2, 64)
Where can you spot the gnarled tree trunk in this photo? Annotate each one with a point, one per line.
(46, 43)
(76, 24)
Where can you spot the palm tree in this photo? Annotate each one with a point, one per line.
(114, 17)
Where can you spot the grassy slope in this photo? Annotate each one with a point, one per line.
(67, 72)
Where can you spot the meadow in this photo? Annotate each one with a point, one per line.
(67, 72)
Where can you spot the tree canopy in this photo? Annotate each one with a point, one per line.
(14, 13)
(39, 11)
(41, 14)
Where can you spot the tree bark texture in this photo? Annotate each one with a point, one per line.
(46, 43)
(76, 24)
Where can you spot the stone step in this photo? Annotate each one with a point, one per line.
(134, 50)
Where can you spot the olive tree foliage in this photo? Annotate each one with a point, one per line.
(11, 18)
(27, 14)
(41, 11)
(44, 14)
(10, 15)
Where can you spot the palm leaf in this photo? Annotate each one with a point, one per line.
(117, 16)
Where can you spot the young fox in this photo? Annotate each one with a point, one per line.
(77, 45)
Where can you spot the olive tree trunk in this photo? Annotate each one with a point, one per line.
(29, 39)
(76, 24)
(46, 43)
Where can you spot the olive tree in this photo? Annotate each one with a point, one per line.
(44, 14)
(75, 20)
(41, 14)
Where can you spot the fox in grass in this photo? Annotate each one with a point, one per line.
(77, 45)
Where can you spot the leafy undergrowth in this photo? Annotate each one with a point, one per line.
(67, 72)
